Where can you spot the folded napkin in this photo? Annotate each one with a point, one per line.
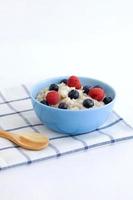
(17, 115)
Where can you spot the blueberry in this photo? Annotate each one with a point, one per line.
(73, 94)
(98, 86)
(88, 103)
(63, 105)
(54, 87)
(44, 102)
(86, 89)
(63, 81)
(107, 100)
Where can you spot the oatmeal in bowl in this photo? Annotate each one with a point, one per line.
(71, 94)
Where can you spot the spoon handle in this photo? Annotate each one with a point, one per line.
(7, 135)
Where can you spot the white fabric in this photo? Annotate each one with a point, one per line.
(19, 116)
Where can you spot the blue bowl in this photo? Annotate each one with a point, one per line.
(72, 121)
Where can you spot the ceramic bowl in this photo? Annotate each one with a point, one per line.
(72, 121)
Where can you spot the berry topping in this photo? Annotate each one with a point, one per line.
(88, 103)
(53, 97)
(74, 81)
(97, 93)
(86, 89)
(98, 86)
(54, 87)
(107, 100)
(64, 81)
(44, 102)
(73, 94)
(63, 105)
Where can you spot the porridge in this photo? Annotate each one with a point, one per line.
(71, 94)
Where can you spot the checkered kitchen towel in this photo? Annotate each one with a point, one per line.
(17, 115)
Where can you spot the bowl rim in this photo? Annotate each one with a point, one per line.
(68, 110)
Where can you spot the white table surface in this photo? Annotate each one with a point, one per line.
(40, 39)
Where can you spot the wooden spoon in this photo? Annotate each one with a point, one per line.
(32, 141)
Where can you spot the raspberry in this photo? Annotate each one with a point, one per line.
(74, 81)
(96, 93)
(53, 97)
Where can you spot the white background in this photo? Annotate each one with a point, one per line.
(44, 38)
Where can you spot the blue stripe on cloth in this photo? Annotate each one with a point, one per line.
(26, 89)
(16, 146)
(14, 100)
(9, 147)
(108, 135)
(58, 153)
(109, 125)
(29, 161)
(14, 165)
(85, 145)
(59, 137)
(24, 163)
(21, 127)
(14, 113)
(123, 120)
